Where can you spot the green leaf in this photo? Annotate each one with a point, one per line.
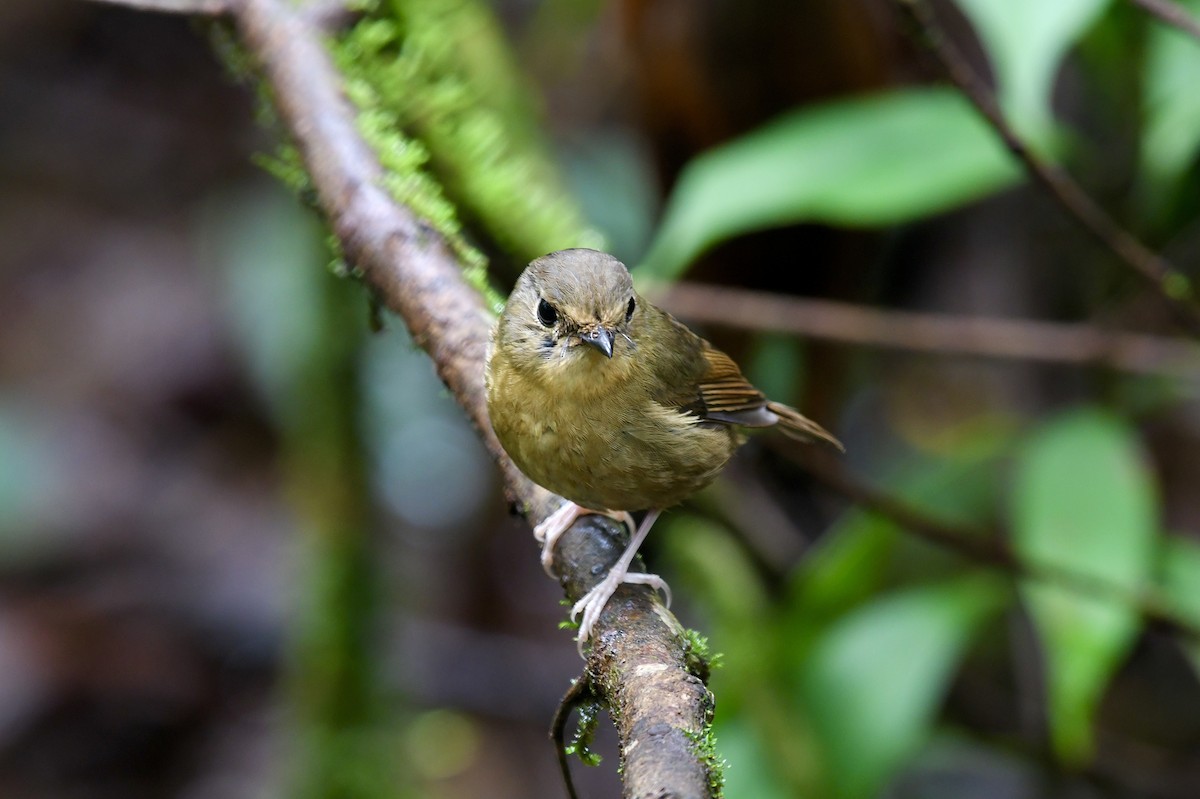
(864, 552)
(1180, 580)
(881, 160)
(1026, 41)
(1083, 500)
(1171, 105)
(874, 682)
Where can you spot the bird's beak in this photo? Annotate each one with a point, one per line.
(601, 338)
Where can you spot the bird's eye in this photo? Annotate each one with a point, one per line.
(546, 313)
(629, 310)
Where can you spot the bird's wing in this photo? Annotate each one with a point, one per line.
(700, 380)
(729, 398)
(726, 395)
(723, 395)
(717, 391)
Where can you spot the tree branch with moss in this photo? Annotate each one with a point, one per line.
(353, 153)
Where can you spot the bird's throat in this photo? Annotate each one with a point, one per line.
(584, 372)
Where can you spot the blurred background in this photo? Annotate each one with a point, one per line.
(250, 548)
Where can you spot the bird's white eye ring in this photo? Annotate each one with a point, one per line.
(546, 313)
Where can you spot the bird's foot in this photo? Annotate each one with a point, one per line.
(593, 601)
(557, 523)
(652, 580)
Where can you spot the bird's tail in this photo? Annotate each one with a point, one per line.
(800, 427)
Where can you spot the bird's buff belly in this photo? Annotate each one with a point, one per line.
(623, 461)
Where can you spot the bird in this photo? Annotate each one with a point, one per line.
(611, 403)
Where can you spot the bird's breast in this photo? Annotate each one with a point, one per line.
(615, 449)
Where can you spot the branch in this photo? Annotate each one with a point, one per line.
(986, 547)
(1173, 286)
(210, 8)
(328, 16)
(658, 702)
(638, 662)
(1073, 344)
(1171, 14)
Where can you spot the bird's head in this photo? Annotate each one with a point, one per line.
(572, 308)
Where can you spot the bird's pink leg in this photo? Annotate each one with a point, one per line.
(593, 601)
(557, 523)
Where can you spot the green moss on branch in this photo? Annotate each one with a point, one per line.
(439, 94)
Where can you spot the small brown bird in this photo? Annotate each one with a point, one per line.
(606, 400)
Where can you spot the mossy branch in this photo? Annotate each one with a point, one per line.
(639, 665)
(438, 75)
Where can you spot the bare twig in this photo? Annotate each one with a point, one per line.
(637, 661)
(578, 694)
(985, 546)
(1173, 286)
(1047, 342)
(1171, 14)
(657, 700)
(207, 8)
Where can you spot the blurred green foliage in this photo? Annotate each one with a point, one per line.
(874, 681)
(1083, 500)
(1171, 113)
(1180, 580)
(836, 681)
(1026, 41)
(908, 154)
(838, 686)
(303, 349)
(842, 678)
(880, 160)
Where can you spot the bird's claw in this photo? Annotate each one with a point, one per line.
(552, 528)
(557, 523)
(593, 602)
(652, 580)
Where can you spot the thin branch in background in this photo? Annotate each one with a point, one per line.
(1173, 286)
(984, 546)
(328, 15)
(1171, 14)
(206, 8)
(943, 334)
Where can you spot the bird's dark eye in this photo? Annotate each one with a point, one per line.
(546, 313)
(629, 310)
